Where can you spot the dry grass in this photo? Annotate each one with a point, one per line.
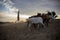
(19, 31)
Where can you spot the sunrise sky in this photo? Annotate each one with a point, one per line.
(9, 8)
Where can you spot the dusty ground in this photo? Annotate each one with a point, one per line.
(19, 31)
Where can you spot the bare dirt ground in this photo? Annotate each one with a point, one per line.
(19, 31)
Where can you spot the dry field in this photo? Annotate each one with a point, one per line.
(20, 31)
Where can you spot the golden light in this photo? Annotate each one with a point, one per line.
(24, 16)
(58, 17)
(12, 17)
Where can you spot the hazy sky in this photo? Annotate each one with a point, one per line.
(28, 7)
(33, 6)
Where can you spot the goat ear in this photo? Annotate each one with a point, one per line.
(56, 16)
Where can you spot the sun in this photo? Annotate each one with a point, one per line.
(24, 16)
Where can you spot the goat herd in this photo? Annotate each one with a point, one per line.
(41, 20)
